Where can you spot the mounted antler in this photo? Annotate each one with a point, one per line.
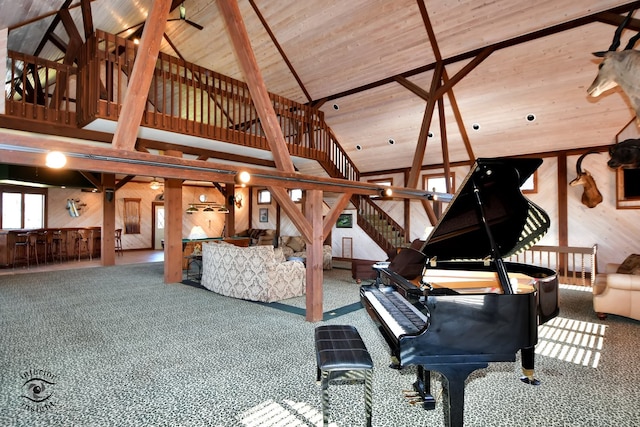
(619, 68)
(591, 196)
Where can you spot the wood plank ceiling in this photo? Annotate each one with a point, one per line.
(370, 63)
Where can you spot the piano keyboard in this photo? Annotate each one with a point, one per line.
(398, 314)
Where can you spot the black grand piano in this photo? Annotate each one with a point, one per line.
(451, 304)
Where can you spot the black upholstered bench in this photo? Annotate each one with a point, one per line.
(341, 354)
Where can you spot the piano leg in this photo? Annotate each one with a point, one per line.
(528, 363)
(423, 387)
(453, 378)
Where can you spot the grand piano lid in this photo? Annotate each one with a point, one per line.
(514, 221)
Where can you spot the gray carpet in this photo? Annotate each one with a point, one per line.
(115, 346)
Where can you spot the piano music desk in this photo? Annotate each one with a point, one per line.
(476, 282)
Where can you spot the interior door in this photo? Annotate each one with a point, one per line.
(158, 225)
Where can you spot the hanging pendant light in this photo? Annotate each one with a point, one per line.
(155, 184)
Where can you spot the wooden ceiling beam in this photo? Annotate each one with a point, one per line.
(563, 26)
(283, 55)
(421, 147)
(135, 99)
(121, 183)
(54, 23)
(92, 179)
(87, 18)
(25, 148)
(70, 55)
(257, 87)
(444, 144)
(293, 212)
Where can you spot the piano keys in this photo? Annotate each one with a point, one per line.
(468, 307)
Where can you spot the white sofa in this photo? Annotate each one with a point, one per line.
(256, 273)
(617, 293)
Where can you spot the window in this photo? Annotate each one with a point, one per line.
(33, 210)
(264, 197)
(296, 195)
(23, 208)
(627, 188)
(11, 210)
(437, 183)
(531, 184)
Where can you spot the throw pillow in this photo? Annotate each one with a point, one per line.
(631, 263)
(296, 243)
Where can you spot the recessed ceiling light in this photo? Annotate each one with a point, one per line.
(476, 126)
(430, 134)
(531, 117)
(391, 141)
(336, 107)
(358, 147)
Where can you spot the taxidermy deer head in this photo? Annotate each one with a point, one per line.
(619, 68)
(591, 196)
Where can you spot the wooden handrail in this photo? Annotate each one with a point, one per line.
(574, 265)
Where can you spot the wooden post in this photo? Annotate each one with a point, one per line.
(173, 226)
(107, 239)
(313, 212)
(173, 230)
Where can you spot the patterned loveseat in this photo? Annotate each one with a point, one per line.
(256, 273)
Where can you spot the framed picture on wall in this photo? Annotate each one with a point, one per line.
(264, 215)
(345, 221)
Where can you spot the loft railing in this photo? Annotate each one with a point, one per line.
(184, 98)
(40, 90)
(189, 99)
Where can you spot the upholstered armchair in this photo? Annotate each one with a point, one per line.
(617, 291)
(295, 246)
(256, 273)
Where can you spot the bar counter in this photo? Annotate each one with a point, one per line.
(8, 239)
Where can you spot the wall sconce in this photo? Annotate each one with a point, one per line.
(109, 193)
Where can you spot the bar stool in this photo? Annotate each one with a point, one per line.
(32, 246)
(118, 238)
(82, 243)
(58, 246)
(21, 245)
(44, 241)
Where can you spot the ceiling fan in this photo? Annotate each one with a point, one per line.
(183, 17)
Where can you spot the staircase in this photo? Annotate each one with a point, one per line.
(387, 233)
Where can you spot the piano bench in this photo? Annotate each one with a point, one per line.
(341, 354)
